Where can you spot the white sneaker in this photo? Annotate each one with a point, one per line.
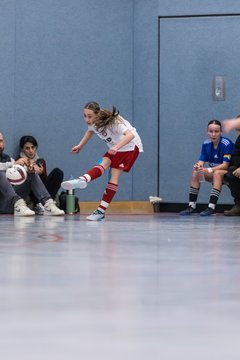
(39, 209)
(97, 215)
(74, 184)
(50, 208)
(21, 209)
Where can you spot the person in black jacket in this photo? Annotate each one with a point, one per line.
(232, 178)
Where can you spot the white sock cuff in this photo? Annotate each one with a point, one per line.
(86, 177)
(192, 204)
(212, 206)
(104, 204)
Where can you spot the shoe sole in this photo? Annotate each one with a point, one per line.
(203, 215)
(95, 219)
(188, 214)
(66, 185)
(51, 214)
(231, 214)
(24, 214)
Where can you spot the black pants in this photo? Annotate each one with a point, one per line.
(52, 182)
(234, 186)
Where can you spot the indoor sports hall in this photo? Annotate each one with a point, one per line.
(145, 283)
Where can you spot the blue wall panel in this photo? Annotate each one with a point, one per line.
(188, 62)
(145, 98)
(67, 53)
(58, 54)
(7, 70)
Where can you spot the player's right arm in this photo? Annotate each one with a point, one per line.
(86, 137)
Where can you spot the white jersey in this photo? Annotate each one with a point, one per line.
(112, 136)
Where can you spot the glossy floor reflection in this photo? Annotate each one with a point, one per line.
(135, 287)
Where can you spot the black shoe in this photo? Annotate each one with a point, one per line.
(207, 212)
(188, 211)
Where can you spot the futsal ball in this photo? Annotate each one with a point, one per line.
(16, 174)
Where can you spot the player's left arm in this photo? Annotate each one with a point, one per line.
(127, 137)
(223, 166)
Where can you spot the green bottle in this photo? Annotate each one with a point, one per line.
(70, 202)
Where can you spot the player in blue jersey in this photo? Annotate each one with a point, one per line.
(216, 154)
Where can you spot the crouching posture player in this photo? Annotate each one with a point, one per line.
(124, 146)
(12, 198)
(216, 152)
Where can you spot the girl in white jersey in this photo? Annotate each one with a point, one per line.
(124, 146)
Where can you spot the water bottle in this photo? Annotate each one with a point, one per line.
(200, 174)
(70, 202)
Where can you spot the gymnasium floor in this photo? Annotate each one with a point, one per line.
(135, 287)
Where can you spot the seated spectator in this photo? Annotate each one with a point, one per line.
(12, 198)
(216, 152)
(233, 175)
(28, 150)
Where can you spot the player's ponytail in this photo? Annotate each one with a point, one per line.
(105, 118)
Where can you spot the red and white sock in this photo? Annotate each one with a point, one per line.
(108, 195)
(93, 173)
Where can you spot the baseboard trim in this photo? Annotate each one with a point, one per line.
(144, 207)
(119, 207)
(176, 207)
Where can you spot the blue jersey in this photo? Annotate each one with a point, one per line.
(219, 155)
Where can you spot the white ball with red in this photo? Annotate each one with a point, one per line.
(16, 174)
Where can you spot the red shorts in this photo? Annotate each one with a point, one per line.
(123, 160)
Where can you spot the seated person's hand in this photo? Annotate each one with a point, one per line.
(197, 166)
(22, 161)
(38, 169)
(30, 166)
(237, 172)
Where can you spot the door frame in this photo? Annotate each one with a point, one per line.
(158, 76)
